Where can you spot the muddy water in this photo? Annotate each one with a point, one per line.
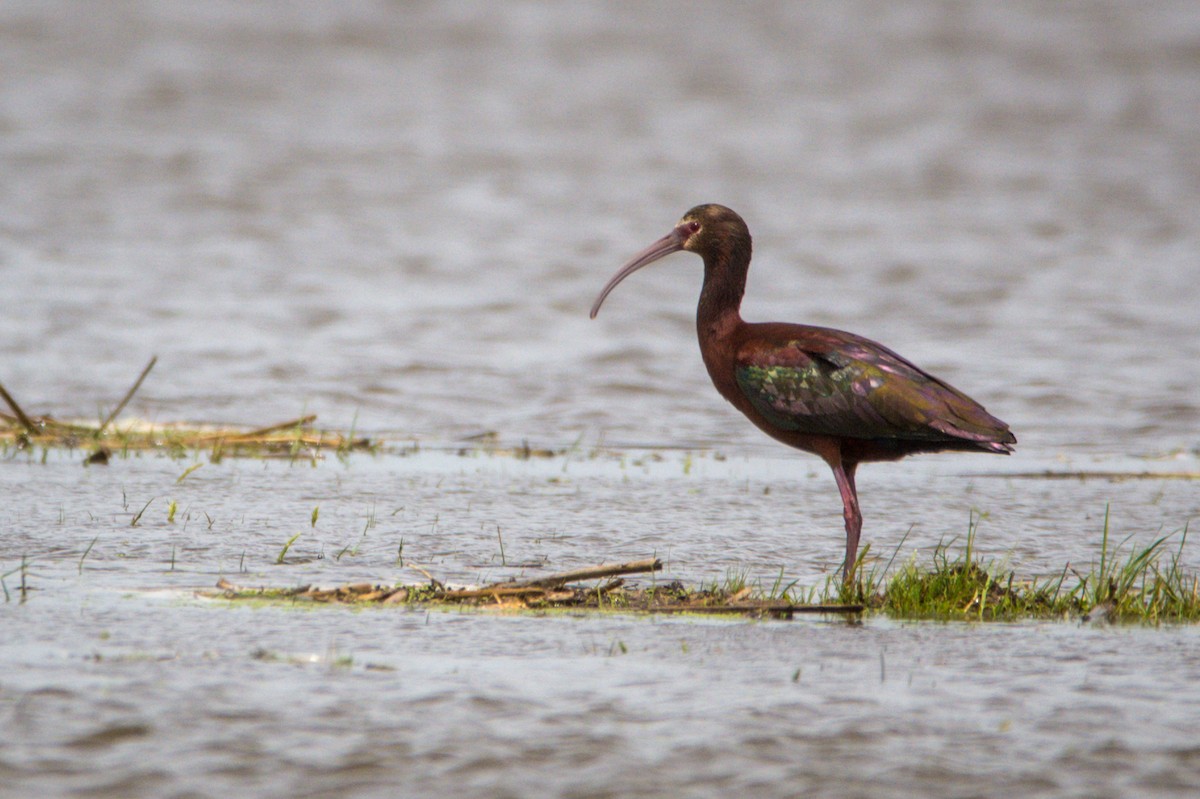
(396, 216)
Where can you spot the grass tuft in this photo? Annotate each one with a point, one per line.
(1148, 584)
(288, 545)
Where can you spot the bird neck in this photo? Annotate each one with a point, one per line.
(724, 284)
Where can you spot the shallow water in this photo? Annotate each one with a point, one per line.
(117, 681)
(397, 215)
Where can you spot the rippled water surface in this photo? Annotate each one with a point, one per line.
(396, 215)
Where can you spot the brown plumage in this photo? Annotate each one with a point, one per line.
(834, 394)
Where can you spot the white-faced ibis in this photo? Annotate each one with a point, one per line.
(831, 393)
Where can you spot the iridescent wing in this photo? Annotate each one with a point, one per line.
(826, 382)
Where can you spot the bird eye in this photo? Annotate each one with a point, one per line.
(693, 226)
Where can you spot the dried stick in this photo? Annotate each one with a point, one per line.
(435, 583)
(766, 607)
(260, 432)
(128, 396)
(20, 414)
(591, 573)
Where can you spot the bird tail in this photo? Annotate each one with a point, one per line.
(984, 432)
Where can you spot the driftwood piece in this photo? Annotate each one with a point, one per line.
(128, 396)
(16, 409)
(590, 573)
(551, 591)
(302, 421)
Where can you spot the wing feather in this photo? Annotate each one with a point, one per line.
(827, 382)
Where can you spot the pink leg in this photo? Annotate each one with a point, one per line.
(844, 474)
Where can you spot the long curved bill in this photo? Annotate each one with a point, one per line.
(672, 242)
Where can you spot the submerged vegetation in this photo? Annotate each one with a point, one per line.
(295, 438)
(1136, 583)
(1142, 584)
(556, 591)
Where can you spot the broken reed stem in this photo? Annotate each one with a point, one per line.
(301, 421)
(16, 409)
(128, 396)
(637, 601)
(604, 570)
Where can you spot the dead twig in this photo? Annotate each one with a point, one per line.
(651, 600)
(611, 585)
(128, 396)
(302, 421)
(437, 584)
(20, 414)
(591, 573)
